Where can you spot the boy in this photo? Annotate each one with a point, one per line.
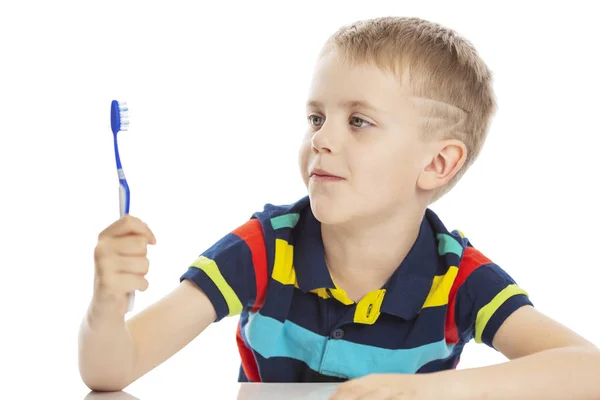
(360, 281)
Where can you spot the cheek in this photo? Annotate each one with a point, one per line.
(405, 171)
(304, 158)
(388, 170)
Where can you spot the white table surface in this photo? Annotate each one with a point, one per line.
(237, 391)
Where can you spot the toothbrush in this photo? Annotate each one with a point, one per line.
(119, 121)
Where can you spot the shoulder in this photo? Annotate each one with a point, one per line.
(476, 271)
(271, 211)
(456, 248)
(250, 237)
(278, 215)
(483, 294)
(255, 236)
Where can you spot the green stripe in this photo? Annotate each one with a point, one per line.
(447, 244)
(285, 221)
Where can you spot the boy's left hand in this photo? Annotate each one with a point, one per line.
(387, 387)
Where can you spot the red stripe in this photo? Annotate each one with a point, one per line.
(248, 361)
(251, 232)
(471, 260)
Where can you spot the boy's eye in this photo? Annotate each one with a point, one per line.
(315, 120)
(357, 122)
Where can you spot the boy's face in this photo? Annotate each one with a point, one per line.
(363, 130)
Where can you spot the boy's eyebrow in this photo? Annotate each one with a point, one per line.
(347, 104)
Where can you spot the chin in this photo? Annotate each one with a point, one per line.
(328, 211)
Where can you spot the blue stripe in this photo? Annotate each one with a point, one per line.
(271, 338)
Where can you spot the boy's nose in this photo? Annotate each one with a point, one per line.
(325, 140)
(318, 147)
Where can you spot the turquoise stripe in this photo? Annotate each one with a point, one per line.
(294, 342)
(447, 244)
(285, 221)
(354, 360)
(271, 338)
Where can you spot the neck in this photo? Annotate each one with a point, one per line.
(365, 252)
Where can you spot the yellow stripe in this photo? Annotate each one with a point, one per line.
(486, 312)
(341, 296)
(440, 288)
(368, 308)
(321, 292)
(210, 268)
(283, 270)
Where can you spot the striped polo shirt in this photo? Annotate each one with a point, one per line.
(296, 325)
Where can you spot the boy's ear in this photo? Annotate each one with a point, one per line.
(446, 159)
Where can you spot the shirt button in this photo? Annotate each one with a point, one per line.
(338, 333)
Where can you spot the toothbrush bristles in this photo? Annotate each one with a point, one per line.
(124, 115)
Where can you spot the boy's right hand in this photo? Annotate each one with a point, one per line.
(120, 264)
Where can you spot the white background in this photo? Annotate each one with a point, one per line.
(216, 96)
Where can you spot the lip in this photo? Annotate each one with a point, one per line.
(323, 174)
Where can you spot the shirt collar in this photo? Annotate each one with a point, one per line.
(407, 288)
(309, 254)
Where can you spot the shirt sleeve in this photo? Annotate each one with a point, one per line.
(486, 298)
(232, 272)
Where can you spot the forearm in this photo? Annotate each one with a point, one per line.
(106, 352)
(564, 373)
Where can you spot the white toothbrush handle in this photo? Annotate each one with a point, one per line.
(122, 199)
(130, 301)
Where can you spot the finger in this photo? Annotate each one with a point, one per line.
(346, 392)
(117, 285)
(128, 283)
(132, 265)
(378, 394)
(132, 245)
(128, 225)
(370, 395)
(398, 396)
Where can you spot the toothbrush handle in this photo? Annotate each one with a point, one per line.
(124, 209)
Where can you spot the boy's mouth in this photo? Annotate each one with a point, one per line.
(321, 174)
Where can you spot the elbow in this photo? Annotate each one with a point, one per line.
(586, 348)
(102, 378)
(99, 386)
(103, 383)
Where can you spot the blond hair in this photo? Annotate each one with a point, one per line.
(448, 81)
